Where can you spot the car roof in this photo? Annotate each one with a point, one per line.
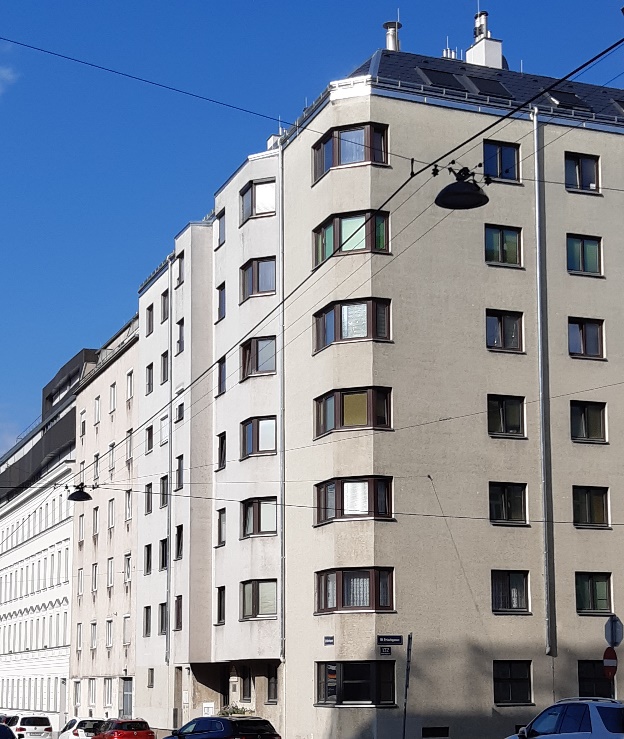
(606, 701)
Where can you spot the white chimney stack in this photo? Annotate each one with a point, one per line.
(485, 51)
(392, 35)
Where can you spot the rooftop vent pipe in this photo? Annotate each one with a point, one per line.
(392, 35)
(481, 29)
(485, 51)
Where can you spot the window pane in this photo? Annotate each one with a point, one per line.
(511, 332)
(330, 500)
(248, 434)
(266, 355)
(492, 244)
(493, 333)
(328, 321)
(583, 595)
(384, 590)
(513, 416)
(601, 588)
(248, 522)
(517, 594)
(266, 434)
(380, 233)
(351, 145)
(382, 409)
(330, 590)
(490, 159)
(575, 338)
(328, 419)
(328, 154)
(382, 502)
(248, 281)
(495, 421)
(354, 321)
(574, 254)
(349, 239)
(592, 340)
(571, 179)
(268, 515)
(589, 172)
(246, 204)
(248, 599)
(591, 254)
(577, 422)
(594, 422)
(267, 598)
(356, 589)
(382, 323)
(354, 409)
(356, 682)
(328, 241)
(266, 276)
(508, 162)
(598, 507)
(331, 682)
(265, 197)
(511, 247)
(379, 145)
(355, 498)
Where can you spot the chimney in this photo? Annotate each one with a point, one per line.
(392, 35)
(485, 51)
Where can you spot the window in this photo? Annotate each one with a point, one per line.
(112, 397)
(77, 686)
(93, 635)
(179, 416)
(129, 385)
(271, 683)
(505, 415)
(91, 691)
(246, 683)
(127, 568)
(78, 636)
(128, 445)
(96, 410)
(221, 301)
(364, 589)
(512, 681)
(257, 277)
(258, 436)
(164, 491)
(593, 592)
(503, 330)
(179, 472)
(149, 320)
(360, 407)
(111, 513)
(110, 572)
(221, 451)
(221, 377)
(149, 439)
(180, 269)
(149, 379)
(364, 143)
(593, 683)
(147, 559)
(81, 527)
(162, 618)
(163, 554)
(220, 229)
(96, 469)
(109, 633)
(96, 520)
(148, 498)
(179, 542)
(180, 339)
(590, 506)
(585, 338)
(500, 160)
(177, 613)
(257, 357)
(355, 319)
(150, 677)
(259, 598)
(587, 421)
(111, 456)
(147, 621)
(108, 692)
(128, 505)
(221, 527)
(355, 682)
(94, 577)
(221, 605)
(353, 497)
(126, 632)
(164, 306)
(510, 591)
(502, 245)
(79, 582)
(164, 367)
(259, 516)
(581, 172)
(257, 199)
(584, 255)
(83, 423)
(355, 232)
(507, 502)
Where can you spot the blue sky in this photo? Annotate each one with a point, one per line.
(99, 172)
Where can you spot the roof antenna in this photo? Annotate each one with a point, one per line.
(521, 67)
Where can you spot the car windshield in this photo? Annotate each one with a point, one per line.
(12, 721)
(35, 721)
(132, 726)
(613, 718)
(259, 726)
(89, 725)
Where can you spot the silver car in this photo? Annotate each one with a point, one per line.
(598, 718)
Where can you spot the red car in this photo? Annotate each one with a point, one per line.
(125, 728)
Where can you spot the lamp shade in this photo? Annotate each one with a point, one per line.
(80, 495)
(461, 196)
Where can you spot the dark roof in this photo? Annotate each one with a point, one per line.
(457, 79)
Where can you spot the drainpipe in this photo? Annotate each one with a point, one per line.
(544, 401)
(171, 260)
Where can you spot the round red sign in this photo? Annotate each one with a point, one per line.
(610, 663)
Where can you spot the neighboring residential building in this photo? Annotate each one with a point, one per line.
(104, 533)
(35, 554)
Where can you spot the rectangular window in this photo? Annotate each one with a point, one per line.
(585, 338)
(147, 621)
(149, 320)
(128, 505)
(505, 415)
(588, 421)
(164, 306)
(246, 683)
(91, 691)
(257, 357)
(149, 379)
(177, 613)
(150, 677)
(352, 320)
(221, 605)
(162, 618)
(593, 684)
(111, 457)
(109, 633)
(501, 160)
(163, 554)
(96, 468)
(221, 301)
(93, 635)
(593, 592)
(79, 582)
(164, 367)
(584, 255)
(129, 445)
(258, 436)
(340, 146)
(507, 502)
(96, 410)
(271, 683)
(362, 407)
(127, 568)
(259, 598)
(221, 376)
(96, 520)
(148, 498)
(110, 572)
(220, 228)
(94, 577)
(111, 513)
(112, 397)
(221, 451)
(78, 636)
(503, 330)
(590, 506)
(353, 497)
(257, 277)
(259, 516)
(129, 385)
(510, 591)
(149, 439)
(581, 172)
(357, 232)
(502, 245)
(179, 414)
(221, 527)
(179, 472)
(81, 527)
(364, 589)
(83, 423)
(180, 269)
(77, 686)
(147, 559)
(512, 681)
(179, 542)
(164, 491)
(180, 339)
(108, 692)
(340, 683)
(257, 199)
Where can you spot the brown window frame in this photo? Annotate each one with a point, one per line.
(221, 377)
(371, 221)
(381, 682)
(255, 279)
(583, 323)
(251, 187)
(221, 451)
(373, 585)
(249, 357)
(582, 503)
(502, 400)
(371, 153)
(255, 598)
(255, 451)
(322, 507)
(500, 316)
(584, 406)
(254, 504)
(504, 578)
(331, 314)
(220, 605)
(372, 395)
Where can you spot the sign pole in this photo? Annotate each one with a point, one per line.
(408, 663)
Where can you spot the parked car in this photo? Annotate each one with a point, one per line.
(598, 718)
(222, 727)
(83, 728)
(125, 728)
(30, 727)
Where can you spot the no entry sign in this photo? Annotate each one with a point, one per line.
(609, 663)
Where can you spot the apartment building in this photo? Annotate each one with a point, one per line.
(102, 661)
(35, 554)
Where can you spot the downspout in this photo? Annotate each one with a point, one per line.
(544, 401)
(171, 260)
